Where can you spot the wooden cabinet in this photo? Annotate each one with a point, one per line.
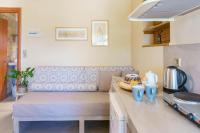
(186, 29)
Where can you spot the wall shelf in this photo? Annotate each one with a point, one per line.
(157, 34)
(156, 45)
(151, 29)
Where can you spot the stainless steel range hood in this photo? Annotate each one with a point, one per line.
(163, 10)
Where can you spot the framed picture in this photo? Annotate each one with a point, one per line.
(71, 34)
(100, 33)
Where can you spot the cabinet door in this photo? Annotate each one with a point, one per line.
(117, 121)
(186, 29)
(116, 125)
(113, 120)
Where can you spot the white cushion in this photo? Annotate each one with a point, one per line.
(61, 104)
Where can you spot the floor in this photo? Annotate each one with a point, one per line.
(46, 127)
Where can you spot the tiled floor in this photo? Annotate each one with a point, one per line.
(46, 127)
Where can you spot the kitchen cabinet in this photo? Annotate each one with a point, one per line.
(118, 123)
(145, 117)
(119, 119)
(156, 34)
(186, 29)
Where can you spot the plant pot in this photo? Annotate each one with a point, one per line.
(14, 88)
(22, 89)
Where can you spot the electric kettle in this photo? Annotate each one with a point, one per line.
(174, 79)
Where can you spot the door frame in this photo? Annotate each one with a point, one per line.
(18, 12)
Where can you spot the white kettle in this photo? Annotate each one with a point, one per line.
(151, 78)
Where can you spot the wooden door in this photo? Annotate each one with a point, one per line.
(3, 57)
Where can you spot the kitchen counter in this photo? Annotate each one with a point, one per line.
(157, 117)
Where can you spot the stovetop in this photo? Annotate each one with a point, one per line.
(185, 96)
(186, 103)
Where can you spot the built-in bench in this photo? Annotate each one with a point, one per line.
(67, 93)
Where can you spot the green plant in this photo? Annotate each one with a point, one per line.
(22, 76)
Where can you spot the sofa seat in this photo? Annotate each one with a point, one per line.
(62, 104)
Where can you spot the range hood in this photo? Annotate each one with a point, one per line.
(163, 10)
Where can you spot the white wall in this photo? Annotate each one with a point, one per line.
(145, 59)
(11, 3)
(46, 15)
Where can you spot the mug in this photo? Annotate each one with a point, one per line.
(151, 92)
(138, 92)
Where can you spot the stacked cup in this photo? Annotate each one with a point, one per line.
(151, 81)
(151, 89)
(138, 92)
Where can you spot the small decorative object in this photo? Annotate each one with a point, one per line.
(71, 34)
(22, 78)
(158, 38)
(100, 33)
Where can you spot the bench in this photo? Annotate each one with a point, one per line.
(67, 94)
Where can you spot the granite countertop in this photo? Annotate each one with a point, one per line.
(157, 117)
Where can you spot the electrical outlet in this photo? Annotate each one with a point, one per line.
(178, 62)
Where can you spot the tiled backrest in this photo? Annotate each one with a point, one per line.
(59, 75)
(69, 78)
(91, 74)
(73, 74)
(117, 68)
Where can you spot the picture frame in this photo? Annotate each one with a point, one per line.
(100, 33)
(71, 34)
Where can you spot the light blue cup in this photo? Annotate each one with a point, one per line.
(138, 92)
(151, 92)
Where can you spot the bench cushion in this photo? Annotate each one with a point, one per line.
(62, 104)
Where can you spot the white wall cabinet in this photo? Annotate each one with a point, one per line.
(186, 29)
(118, 123)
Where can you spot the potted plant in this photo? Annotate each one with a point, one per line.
(22, 78)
